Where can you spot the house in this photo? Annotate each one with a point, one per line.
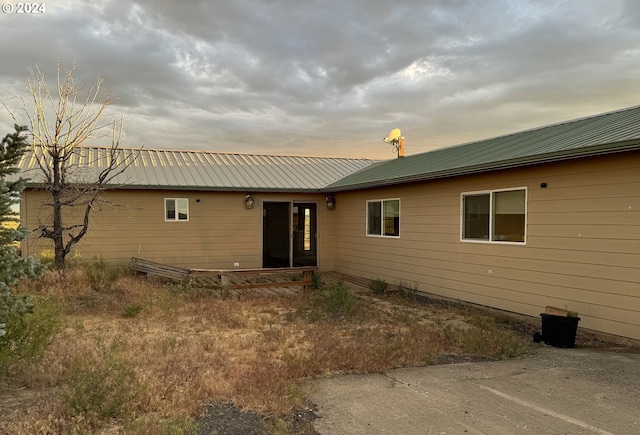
(549, 216)
(201, 209)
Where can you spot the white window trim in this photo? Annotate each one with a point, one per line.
(176, 205)
(366, 223)
(491, 192)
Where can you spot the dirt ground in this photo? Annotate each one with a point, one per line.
(221, 418)
(227, 419)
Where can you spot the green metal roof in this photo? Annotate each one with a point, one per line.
(601, 134)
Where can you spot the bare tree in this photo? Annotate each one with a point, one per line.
(62, 125)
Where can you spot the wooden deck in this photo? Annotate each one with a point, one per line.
(274, 280)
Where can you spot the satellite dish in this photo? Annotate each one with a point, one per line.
(394, 136)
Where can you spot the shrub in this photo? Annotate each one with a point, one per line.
(99, 384)
(29, 334)
(132, 310)
(101, 277)
(47, 257)
(316, 281)
(379, 286)
(338, 300)
(408, 291)
(13, 267)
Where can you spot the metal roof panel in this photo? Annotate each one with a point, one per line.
(609, 132)
(202, 170)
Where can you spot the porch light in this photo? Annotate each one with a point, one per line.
(331, 202)
(248, 199)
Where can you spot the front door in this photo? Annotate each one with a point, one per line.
(276, 234)
(289, 234)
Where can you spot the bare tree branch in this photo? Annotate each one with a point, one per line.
(61, 125)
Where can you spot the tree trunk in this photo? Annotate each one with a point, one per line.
(56, 193)
(57, 235)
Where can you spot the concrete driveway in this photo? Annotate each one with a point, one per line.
(553, 391)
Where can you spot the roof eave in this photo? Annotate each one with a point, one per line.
(196, 188)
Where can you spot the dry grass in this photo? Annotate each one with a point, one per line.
(181, 348)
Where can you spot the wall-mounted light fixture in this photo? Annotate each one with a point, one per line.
(248, 200)
(331, 202)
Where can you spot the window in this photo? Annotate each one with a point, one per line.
(307, 229)
(383, 218)
(495, 216)
(176, 209)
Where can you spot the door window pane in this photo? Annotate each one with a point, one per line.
(307, 229)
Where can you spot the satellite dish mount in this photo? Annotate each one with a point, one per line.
(396, 139)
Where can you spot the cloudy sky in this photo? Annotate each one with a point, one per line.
(332, 77)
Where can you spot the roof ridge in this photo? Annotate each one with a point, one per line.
(228, 153)
(532, 129)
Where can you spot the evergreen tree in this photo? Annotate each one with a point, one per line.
(12, 266)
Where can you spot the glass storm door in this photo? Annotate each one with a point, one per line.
(305, 242)
(289, 234)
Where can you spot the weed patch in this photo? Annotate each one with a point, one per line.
(316, 281)
(154, 425)
(113, 370)
(407, 290)
(101, 276)
(338, 301)
(379, 286)
(485, 338)
(29, 335)
(132, 310)
(100, 383)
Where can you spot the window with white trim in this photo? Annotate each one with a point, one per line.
(176, 209)
(383, 218)
(495, 216)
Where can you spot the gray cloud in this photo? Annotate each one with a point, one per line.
(333, 77)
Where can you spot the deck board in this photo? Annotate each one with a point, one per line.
(280, 281)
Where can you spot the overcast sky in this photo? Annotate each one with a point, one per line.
(332, 77)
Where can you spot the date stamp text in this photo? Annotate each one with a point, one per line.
(24, 8)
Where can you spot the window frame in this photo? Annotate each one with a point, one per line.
(177, 216)
(382, 215)
(491, 222)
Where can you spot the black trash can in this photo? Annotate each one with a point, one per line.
(559, 331)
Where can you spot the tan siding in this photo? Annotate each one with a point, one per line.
(220, 230)
(582, 249)
(575, 242)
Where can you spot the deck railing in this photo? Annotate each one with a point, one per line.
(230, 278)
